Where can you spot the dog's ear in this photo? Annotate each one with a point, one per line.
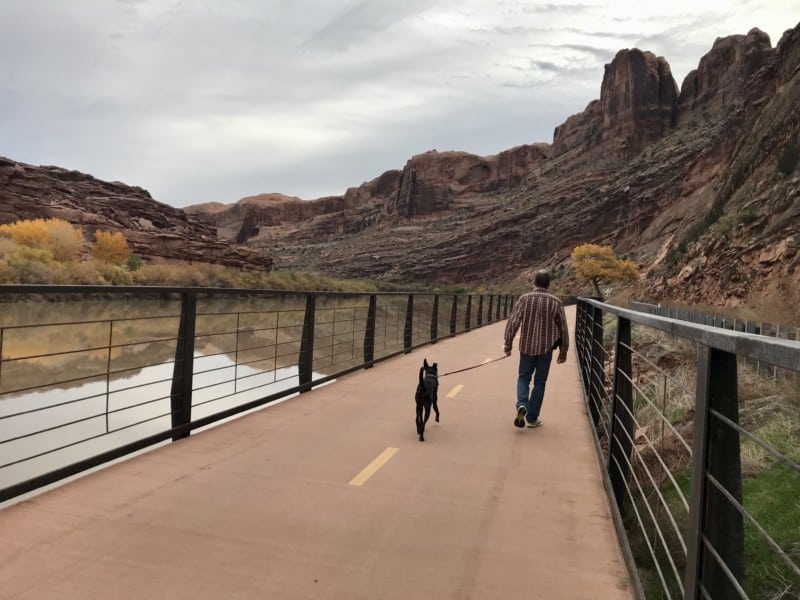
(425, 362)
(435, 365)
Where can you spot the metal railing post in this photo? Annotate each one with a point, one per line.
(497, 314)
(306, 359)
(408, 330)
(435, 318)
(580, 341)
(596, 372)
(468, 314)
(489, 312)
(622, 422)
(369, 332)
(715, 453)
(453, 315)
(480, 311)
(183, 369)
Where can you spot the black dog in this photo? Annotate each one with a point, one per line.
(426, 396)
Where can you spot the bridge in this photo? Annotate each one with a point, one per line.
(331, 495)
(324, 491)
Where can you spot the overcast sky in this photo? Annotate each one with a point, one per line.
(213, 100)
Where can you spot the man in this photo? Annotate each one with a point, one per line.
(543, 327)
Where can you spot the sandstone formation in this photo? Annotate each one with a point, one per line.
(428, 183)
(637, 105)
(723, 74)
(750, 254)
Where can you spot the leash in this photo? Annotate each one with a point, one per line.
(473, 366)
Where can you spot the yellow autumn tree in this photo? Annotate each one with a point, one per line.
(598, 264)
(110, 247)
(56, 236)
(30, 233)
(66, 240)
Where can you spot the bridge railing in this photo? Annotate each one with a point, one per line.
(780, 330)
(701, 456)
(91, 374)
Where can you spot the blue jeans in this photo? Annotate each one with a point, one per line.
(537, 367)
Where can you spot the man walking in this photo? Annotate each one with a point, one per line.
(540, 318)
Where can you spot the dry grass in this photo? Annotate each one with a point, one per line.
(19, 264)
(770, 409)
(664, 373)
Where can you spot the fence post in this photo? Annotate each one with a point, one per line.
(497, 316)
(435, 319)
(453, 315)
(408, 331)
(467, 315)
(783, 333)
(480, 311)
(715, 453)
(580, 342)
(597, 375)
(306, 358)
(750, 327)
(369, 332)
(183, 369)
(622, 422)
(489, 312)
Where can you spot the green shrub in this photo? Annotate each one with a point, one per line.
(114, 274)
(134, 262)
(787, 161)
(747, 216)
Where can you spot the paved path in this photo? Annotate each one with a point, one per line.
(283, 504)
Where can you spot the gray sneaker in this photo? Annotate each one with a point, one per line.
(519, 421)
(536, 423)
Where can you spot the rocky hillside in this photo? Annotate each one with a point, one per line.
(153, 229)
(743, 247)
(684, 180)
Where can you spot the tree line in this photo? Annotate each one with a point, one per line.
(54, 251)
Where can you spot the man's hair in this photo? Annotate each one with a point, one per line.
(542, 279)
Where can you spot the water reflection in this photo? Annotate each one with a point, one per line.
(54, 427)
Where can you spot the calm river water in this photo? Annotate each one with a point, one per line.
(44, 430)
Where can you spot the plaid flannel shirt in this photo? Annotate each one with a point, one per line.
(541, 320)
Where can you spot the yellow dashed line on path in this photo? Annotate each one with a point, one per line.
(452, 393)
(373, 467)
(486, 360)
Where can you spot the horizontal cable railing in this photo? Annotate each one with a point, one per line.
(701, 451)
(91, 374)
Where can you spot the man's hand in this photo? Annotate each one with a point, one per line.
(507, 351)
(561, 359)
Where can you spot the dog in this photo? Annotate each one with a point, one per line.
(426, 396)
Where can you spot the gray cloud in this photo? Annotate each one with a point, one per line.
(204, 100)
(361, 20)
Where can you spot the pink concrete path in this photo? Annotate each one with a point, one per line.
(331, 495)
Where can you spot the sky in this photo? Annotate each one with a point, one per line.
(214, 100)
